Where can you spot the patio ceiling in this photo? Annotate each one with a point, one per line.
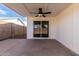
(25, 9)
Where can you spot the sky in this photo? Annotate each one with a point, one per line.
(7, 12)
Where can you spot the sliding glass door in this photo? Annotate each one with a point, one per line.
(45, 29)
(41, 29)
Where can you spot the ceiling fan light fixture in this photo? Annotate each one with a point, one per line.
(40, 15)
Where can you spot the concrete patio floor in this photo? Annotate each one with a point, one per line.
(24, 47)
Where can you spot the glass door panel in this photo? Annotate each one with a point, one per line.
(45, 28)
(37, 27)
(41, 29)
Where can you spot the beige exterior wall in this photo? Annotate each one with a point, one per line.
(52, 27)
(68, 27)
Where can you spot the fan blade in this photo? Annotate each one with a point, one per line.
(47, 13)
(43, 15)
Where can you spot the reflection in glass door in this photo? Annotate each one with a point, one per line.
(45, 29)
(41, 29)
(37, 28)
